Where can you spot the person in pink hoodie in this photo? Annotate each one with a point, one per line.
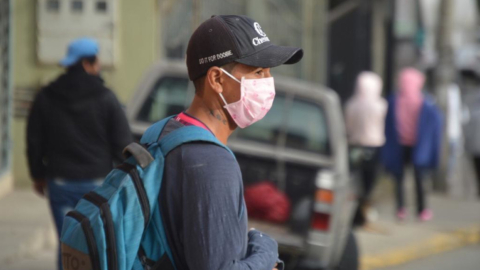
(365, 123)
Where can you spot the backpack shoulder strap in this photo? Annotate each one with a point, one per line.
(139, 152)
(189, 134)
(153, 133)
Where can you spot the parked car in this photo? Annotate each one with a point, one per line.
(300, 146)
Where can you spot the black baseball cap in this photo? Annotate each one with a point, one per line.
(231, 38)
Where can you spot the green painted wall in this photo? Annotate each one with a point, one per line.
(139, 39)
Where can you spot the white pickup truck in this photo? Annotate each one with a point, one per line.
(300, 146)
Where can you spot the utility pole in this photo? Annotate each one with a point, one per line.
(444, 76)
(444, 73)
(314, 40)
(196, 13)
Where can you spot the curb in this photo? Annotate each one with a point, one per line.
(437, 244)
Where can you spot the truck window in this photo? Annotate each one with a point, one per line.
(168, 97)
(307, 127)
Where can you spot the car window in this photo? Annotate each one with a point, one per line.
(306, 124)
(307, 127)
(268, 129)
(168, 97)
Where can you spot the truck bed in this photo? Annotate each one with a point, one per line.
(281, 233)
(297, 182)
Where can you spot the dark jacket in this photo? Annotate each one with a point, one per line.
(76, 129)
(426, 152)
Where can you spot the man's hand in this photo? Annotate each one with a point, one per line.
(39, 186)
(260, 242)
(280, 265)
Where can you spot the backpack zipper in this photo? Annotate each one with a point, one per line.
(89, 237)
(106, 215)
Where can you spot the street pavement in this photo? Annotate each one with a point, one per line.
(28, 239)
(25, 227)
(466, 258)
(42, 260)
(388, 243)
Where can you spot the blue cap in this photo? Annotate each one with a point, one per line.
(79, 48)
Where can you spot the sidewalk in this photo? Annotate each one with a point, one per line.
(28, 238)
(26, 227)
(456, 224)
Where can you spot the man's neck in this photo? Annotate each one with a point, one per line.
(214, 119)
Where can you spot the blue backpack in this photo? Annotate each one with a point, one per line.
(118, 226)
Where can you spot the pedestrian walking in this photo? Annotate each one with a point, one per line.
(76, 131)
(413, 132)
(365, 123)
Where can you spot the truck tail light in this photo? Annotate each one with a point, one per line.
(324, 199)
(321, 221)
(323, 207)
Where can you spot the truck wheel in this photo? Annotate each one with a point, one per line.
(349, 260)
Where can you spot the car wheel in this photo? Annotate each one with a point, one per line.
(349, 260)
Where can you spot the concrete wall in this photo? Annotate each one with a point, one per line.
(6, 183)
(139, 39)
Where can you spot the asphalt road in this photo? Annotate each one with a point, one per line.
(467, 258)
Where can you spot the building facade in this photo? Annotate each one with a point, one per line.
(5, 96)
(129, 49)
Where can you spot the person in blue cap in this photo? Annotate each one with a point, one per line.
(76, 132)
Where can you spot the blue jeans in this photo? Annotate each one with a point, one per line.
(63, 195)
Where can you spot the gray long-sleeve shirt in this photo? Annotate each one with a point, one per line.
(204, 211)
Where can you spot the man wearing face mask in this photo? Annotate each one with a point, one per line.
(203, 210)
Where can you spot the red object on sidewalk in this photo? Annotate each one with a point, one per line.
(265, 202)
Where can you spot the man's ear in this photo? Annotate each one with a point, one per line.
(214, 79)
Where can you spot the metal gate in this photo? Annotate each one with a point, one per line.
(5, 83)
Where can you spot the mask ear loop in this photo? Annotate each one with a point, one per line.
(224, 101)
(231, 76)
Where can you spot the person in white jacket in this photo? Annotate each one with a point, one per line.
(472, 132)
(365, 123)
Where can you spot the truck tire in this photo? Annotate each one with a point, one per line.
(349, 260)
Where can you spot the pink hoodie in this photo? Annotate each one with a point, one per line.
(409, 103)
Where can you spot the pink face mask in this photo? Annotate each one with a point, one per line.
(256, 100)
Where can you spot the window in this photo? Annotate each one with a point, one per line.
(307, 127)
(168, 97)
(101, 6)
(77, 6)
(302, 122)
(55, 28)
(53, 5)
